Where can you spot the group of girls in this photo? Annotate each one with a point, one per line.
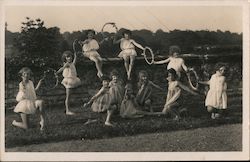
(114, 95)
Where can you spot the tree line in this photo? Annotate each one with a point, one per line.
(40, 45)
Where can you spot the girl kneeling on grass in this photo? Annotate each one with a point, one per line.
(216, 99)
(174, 99)
(27, 100)
(101, 102)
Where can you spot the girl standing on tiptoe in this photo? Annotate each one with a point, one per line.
(70, 77)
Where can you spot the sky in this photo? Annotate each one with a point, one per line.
(74, 18)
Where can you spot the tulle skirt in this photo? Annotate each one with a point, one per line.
(26, 106)
(71, 82)
(92, 55)
(127, 53)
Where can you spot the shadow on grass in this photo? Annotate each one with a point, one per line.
(62, 128)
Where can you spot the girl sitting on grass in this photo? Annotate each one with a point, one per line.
(27, 100)
(144, 94)
(216, 99)
(101, 102)
(174, 99)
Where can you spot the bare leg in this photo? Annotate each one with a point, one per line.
(126, 64)
(132, 59)
(98, 64)
(40, 105)
(109, 114)
(23, 124)
(68, 92)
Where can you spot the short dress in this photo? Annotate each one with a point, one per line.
(128, 106)
(102, 103)
(217, 95)
(128, 48)
(174, 95)
(26, 98)
(90, 49)
(70, 77)
(116, 92)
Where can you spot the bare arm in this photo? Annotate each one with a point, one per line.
(74, 61)
(115, 41)
(98, 94)
(137, 45)
(39, 84)
(204, 82)
(62, 68)
(156, 86)
(162, 61)
(182, 86)
(184, 66)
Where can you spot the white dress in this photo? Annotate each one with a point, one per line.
(70, 77)
(217, 96)
(90, 49)
(128, 48)
(176, 64)
(26, 98)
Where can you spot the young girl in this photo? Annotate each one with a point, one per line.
(70, 76)
(216, 99)
(128, 52)
(129, 108)
(174, 61)
(27, 100)
(145, 86)
(101, 102)
(90, 47)
(174, 99)
(116, 90)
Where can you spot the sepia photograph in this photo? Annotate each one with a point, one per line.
(124, 80)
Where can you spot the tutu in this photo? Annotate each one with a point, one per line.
(26, 106)
(71, 82)
(127, 53)
(91, 55)
(70, 77)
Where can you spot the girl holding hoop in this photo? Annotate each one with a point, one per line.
(27, 100)
(128, 52)
(90, 47)
(70, 76)
(174, 61)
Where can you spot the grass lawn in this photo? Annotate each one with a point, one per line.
(65, 128)
(200, 139)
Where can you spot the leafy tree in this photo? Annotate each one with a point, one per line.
(37, 44)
